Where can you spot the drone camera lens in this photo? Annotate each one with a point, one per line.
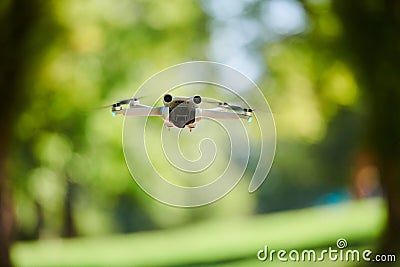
(167, 98)
(197, 99)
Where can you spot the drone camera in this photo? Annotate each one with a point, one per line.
(167, 98)
(197, 99)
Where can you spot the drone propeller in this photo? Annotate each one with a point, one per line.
(127, 101)
(234, 107)
(122, 102)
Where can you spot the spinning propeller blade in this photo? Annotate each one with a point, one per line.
(234, 107)
(122, 102)
(127, 101)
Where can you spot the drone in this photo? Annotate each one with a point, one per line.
(182, 111)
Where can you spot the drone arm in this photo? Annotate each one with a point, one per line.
(140, 111)
(224, 115)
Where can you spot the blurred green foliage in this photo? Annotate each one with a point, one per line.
(66, 151)
(67, 164)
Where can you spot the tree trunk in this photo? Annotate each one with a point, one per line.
(69, 222)
(17, 18)
(6, 214)
(371, 38)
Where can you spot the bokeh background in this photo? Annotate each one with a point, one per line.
(329, 70)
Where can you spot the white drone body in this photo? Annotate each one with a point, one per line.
(181, 111)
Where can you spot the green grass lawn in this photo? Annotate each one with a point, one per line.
(216, 243)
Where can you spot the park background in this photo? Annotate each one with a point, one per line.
(329, 70)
